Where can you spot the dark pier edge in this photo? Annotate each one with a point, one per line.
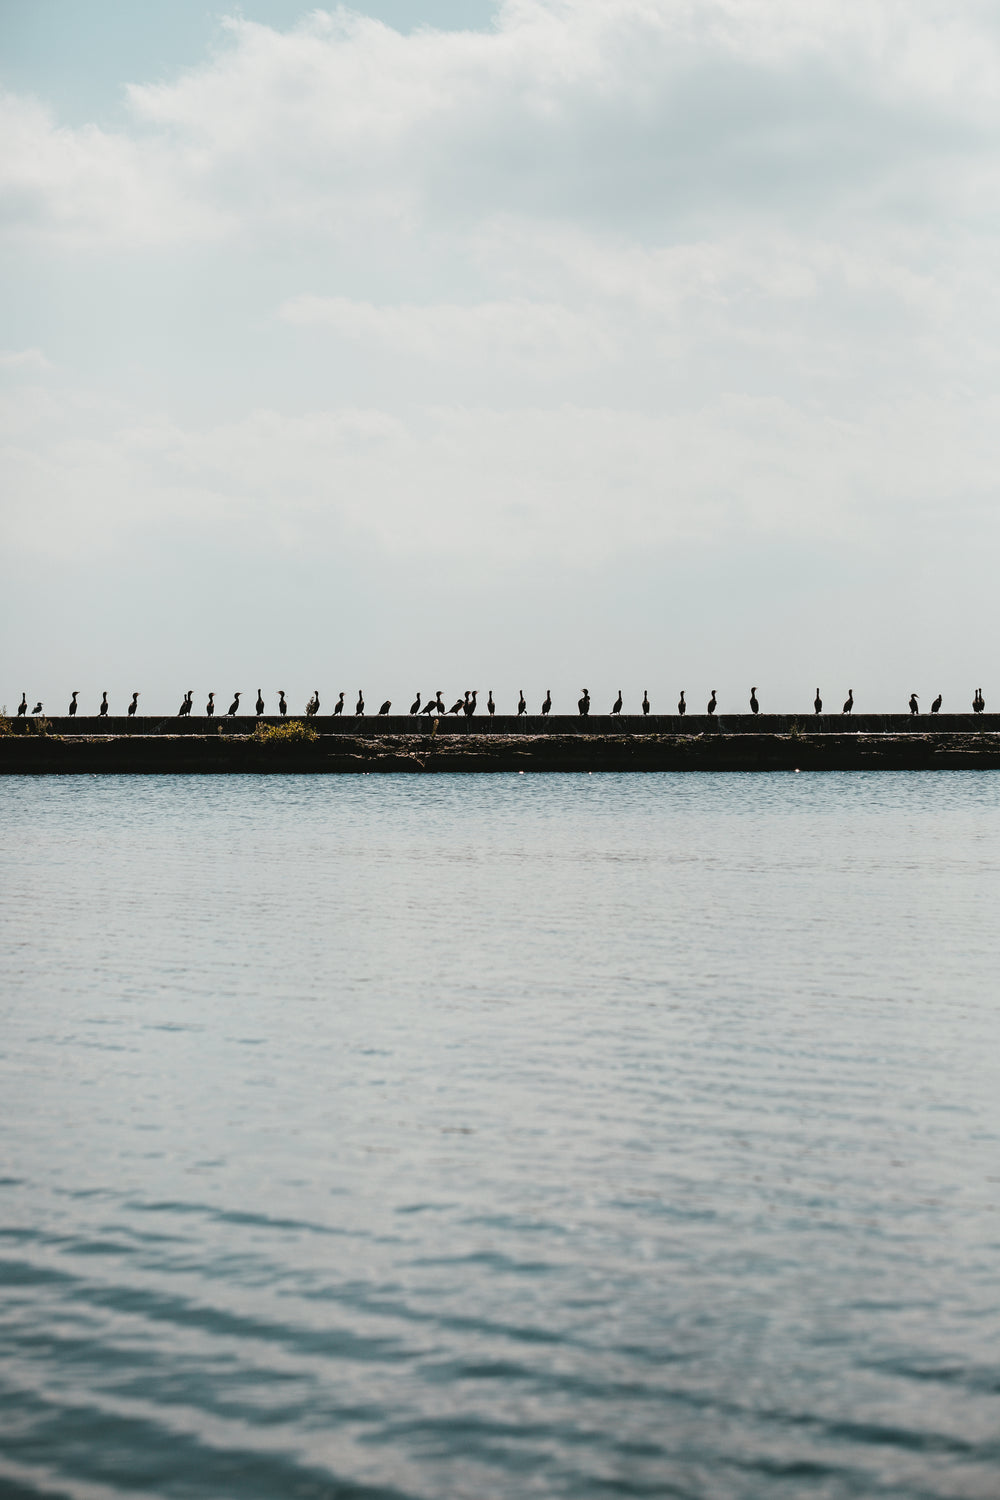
(741, 742)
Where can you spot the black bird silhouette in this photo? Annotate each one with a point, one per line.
(359, 707)
(133, 705)
(439, 703)
(682, 707)
(338, 707)
(914, 706)
(185, 707)
(312, 707)
(754, 705)
(936, 705)
(522, 707)
(547, 705)
(210, 706)
(711, 703)
(817, 703)
(259, 705)
(978, 702)
(584, 704)
(103, 710)
(415, 705)
(385, 707)
(72, 704)
(616, 707)
(849, 701)
(645, 700)
(491, 707)
(456, 708)
(430, 706)
(282, 705)
(470, 703)
(22, 707)
(37, 708)
(234, 707)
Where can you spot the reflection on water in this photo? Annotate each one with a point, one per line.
(500, 1136)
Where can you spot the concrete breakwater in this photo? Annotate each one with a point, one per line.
(592, 748)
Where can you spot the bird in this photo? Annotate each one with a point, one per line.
(470, 706)
(312, 707)
(415, 705)
(103, 710)
(185, 707)
(338, 707)
(37, 708)
(914, 706)
(210, 706)
(711, 703)
(817, 703)
(234, 707)
(491, 707)
(359, 707)
(616, 707)
(522, 707)
(282, 705)
(682, 707)
(849, 701)
(547, 705)
(439, 703)
(430, 706)
(259, 705)
(72, 703)
(978, 702)
(22, 707)
(754, 705)
(385, 707)
(936, 705)
(133, 705)
(584, 704)
(645, 700)
(456, 708)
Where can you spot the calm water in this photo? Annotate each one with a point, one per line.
(500, 1136)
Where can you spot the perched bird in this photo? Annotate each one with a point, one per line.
(522, 707)
(712, 703)
(754, 705)
(936, 705)
(849, 702)
(431, 706)
(185, 707)
(491, 707)
(456, 708)
(978, 702)
(133, 705)
(37, 708)
(259, 705)
(914, 706)
(439, 703)
(282, 705)
(385, 707)
(210, 706)
(616, 707)
(682, 707)
(234, 707)
(312, 707)
(22, 707)
(547, 705)
(645, 700)
(72, 704)
(415, 705)
(584, 704)
(817, 703)
(338, 707)
(103, 710)
(470, 703)
(359, 707)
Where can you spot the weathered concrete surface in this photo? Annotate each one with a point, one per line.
(422, 753)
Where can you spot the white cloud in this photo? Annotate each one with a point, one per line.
(24, 359)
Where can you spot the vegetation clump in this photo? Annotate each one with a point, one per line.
(283, 734)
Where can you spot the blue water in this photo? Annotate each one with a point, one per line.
(500, 1136)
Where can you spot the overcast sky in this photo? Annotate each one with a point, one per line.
(547, 343)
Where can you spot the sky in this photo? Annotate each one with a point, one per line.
(530, 344)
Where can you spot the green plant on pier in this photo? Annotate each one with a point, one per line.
(295, 730)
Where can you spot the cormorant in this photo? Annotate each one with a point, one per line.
(470, 706)
(430, 706)
(456, 708)
(978, 702)
(491, 707)
(103, 710)
(711, 704)
(522, 707)
(936, 705)
(754, 705)
(259, 705)
(914, 706)
(849, 701)
(133, 705)
(547, 705)
(439, 703)
(415, 705)
(72, 703)
(584, 704)
(282, 705)
(37, 708)
(682, 707)
(312, 707)
(817, 703)
(234, 707)
(385, 707)
(645, 700)
(616, 707)
(185, 707)
(359, 707)
(210, 706)
(22, 707)
(338, 707)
